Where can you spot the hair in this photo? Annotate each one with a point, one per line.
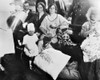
(51, 6)
(92, 10)
(26, 2)
(42, 4)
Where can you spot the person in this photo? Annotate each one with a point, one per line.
(41, 14)
(30, 49)
(51, 22)
(90, 45)
(87, 26)
(16, 20)
(31, 8)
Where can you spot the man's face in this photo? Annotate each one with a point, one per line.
(26, 6)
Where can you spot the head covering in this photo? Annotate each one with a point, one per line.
(31, 27)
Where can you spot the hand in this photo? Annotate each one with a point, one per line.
(69, 19)
(25, 24)
(54, 40)
(49, 35)
(37, 33)
(69, 31)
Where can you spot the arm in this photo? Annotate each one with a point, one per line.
(43, 26)
(43, 30)
(64, 23)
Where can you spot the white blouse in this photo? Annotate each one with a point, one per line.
(51, 25)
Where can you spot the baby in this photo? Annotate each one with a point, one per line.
(31, 48)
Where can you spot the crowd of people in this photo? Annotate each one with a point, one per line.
(39, 33)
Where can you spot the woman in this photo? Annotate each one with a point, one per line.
(41, 15)
(87, 26)
(38, 18)
(53, 21)
(91, 45)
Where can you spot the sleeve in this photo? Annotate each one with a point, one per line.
(43, 26)
(24, 40)
(63, 21)
(35, 38)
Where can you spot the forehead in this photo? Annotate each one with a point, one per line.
(40, 5)
(53, 6)
(94, 12)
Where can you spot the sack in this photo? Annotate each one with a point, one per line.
(51, 61)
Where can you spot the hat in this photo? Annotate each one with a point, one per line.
(31, 27)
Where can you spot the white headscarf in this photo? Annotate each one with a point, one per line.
(31, 27)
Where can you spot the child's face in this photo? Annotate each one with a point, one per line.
(30, 33)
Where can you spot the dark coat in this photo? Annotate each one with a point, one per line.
(78, 11)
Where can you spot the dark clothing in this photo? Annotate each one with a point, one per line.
(18, 32)
(37, 22)
(78, 11)
(30, 15)
(12, 64)
(40, 21)
(75, 37)
(33, 19)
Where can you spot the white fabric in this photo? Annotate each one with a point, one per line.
(91, 45)
(6, 37)
(46, 4)
(6, 42)
(30, 42)
(31, 27)
(20, 15)
(51, 61)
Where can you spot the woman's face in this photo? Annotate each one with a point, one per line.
(40, 8)
(52, 9)
(93, 16)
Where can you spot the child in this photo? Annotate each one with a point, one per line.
(31, 48)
